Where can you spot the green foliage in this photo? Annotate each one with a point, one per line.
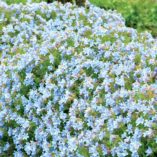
(80, 2)
(139, 14)
(84, 151)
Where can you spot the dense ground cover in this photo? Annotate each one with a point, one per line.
(75, 82)
(139, 14)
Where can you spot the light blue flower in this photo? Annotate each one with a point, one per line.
(149, 151)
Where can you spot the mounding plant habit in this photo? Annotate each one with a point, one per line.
(75, 82)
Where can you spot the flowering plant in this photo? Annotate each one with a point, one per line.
(75, 82)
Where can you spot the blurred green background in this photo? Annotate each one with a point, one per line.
(139, 14)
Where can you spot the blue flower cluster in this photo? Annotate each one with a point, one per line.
(75, 82)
